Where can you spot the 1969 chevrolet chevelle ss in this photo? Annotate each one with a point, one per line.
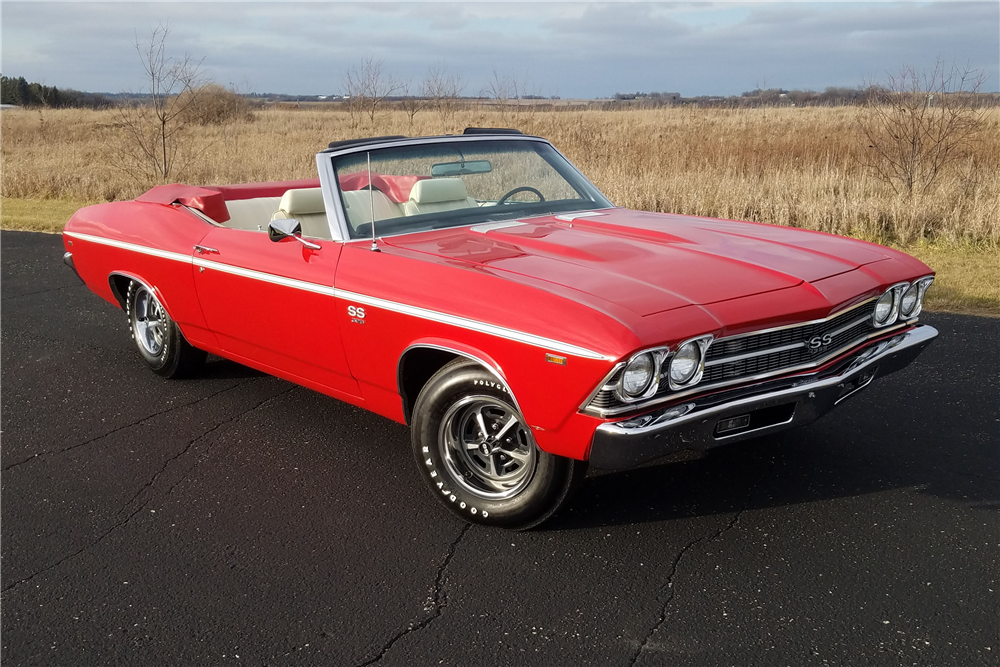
(480, 289)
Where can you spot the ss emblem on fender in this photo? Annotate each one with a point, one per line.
(357, 314)
(817, 343)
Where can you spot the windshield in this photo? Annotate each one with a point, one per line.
(430, 186)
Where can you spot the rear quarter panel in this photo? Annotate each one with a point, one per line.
(150, 242)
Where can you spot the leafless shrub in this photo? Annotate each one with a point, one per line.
(442, 90)
(368, 86)
(412, 102)
(212, 104)
(153, 126)
(917, 125)
(510, 97)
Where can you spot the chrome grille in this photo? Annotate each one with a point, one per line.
(747, 356)
(791, 346)
(726, 347)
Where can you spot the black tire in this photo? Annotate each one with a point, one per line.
(507, 482)
(161, 344)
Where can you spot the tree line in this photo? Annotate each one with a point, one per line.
(20, 92)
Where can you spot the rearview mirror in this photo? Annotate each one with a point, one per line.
(462, 168)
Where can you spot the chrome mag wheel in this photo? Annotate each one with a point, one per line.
(149, 323)
(487, 447)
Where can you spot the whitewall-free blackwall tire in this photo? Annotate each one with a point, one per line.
(478, 456)
(161, 344)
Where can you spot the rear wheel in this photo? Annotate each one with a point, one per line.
(161, 344)
(476, 452)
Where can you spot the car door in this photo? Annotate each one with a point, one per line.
(271, 305)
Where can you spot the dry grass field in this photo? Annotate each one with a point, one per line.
(793, 166)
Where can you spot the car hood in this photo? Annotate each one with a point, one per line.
(648, 262)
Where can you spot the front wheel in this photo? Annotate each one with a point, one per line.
(161, 344)
(478, 455)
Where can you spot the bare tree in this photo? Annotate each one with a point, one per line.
(368, 86)
(442, 90)
(918, 124)
(507, 95)
(412, 102)
(153, 126)
(503, 94)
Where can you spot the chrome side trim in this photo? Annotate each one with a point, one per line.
(473, 325)
(414, 311)
(134, 247)
(264, 277)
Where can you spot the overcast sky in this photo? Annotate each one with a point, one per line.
(570, 49)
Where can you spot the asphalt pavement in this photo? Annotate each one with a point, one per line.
(238, 519)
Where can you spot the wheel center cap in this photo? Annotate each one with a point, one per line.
(489, 447)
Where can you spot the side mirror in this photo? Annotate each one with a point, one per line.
(283, 228)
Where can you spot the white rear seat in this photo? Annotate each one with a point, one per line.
(359, 203)
(305, 205)
(252, 214)
(438, 194)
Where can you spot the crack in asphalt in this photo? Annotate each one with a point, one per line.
(669, 584)
(44, 291)
(434, 605)
(118, 524)
(56, 452)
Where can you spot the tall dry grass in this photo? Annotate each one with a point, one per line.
(793, 166)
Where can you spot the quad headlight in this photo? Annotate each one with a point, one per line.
(912, 301)
(887, 306)
(884, 307)
(901, 301)
(687, 365)
(638, 375)
(642, 375)
(684, 363)
(908, 302)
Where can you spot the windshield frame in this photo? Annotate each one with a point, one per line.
(561, 164)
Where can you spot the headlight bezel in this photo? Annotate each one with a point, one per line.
(914, 290)
(895, 294)
(657, 354)
(702, 343)
(922, 285)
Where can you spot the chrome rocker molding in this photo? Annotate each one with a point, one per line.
(697, 424)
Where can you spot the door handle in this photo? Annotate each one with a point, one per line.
(205, 250)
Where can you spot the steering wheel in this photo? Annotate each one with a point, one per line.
(523, 188)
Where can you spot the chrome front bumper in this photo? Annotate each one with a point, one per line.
(749, 412)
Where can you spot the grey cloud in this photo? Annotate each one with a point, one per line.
(575, 50)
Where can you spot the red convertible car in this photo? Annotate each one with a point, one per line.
(480, 289)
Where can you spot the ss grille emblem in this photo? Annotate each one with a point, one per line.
(817, 343)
